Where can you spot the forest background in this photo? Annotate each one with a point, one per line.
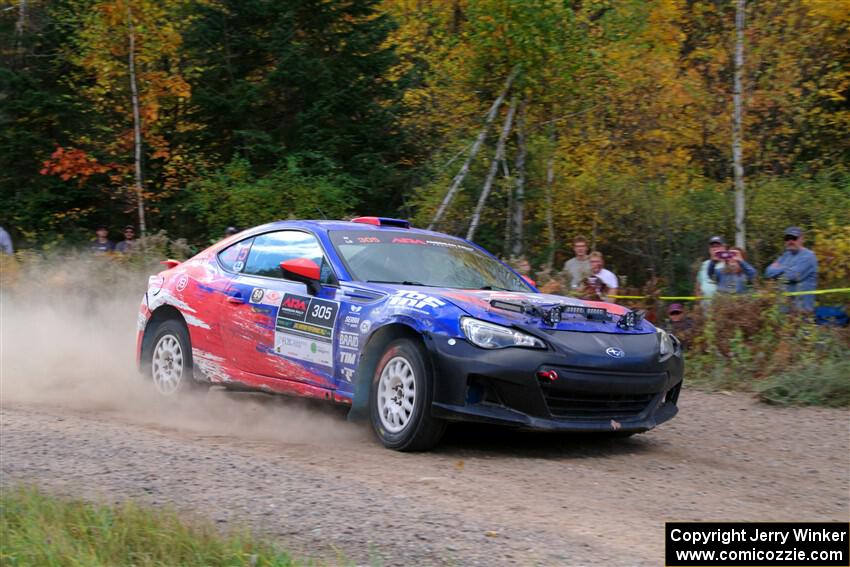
(607, 118)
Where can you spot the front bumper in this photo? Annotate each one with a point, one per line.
(591, 393)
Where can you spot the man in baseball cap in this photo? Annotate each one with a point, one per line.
(679, 323)
(707, 287)
(796, 269)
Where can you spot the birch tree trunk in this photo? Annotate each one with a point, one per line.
(494, 166)
(458, 179)
(737, 127)
(506, 246)
(518, 213)
(22, 18)
(550, 221)
(137, 121)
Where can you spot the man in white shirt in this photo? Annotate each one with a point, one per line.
(603, 281)
(707, 287)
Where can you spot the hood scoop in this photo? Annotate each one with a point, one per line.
(552, 314)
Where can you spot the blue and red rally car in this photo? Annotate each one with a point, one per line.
(411, 327)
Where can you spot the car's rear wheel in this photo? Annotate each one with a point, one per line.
(170, 365)
(400, 400)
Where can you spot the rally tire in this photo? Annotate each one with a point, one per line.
(169, 364)
(400, 399)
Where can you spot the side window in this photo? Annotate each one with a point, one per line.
(272, 248)
(233, 257)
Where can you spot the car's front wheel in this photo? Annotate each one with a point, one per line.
(171, 359)
(400, 401)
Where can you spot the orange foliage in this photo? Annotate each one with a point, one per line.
(72, 163)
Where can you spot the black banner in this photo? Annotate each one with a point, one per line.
(757, 544)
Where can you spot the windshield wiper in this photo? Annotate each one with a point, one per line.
(406, 282)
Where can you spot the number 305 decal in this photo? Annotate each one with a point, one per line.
(320, 311)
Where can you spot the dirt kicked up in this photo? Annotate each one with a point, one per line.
(77, 419)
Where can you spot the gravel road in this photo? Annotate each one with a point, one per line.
(324, 488)
(76, 419)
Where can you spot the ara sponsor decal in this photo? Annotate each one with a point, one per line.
(294, 307)
(305, 327)
(406, 240)
(415, 300)
(365, 326)
(182, 282)
(347, 357)
(349, 341)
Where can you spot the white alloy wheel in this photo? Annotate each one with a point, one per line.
(167, 364)
(396, 394)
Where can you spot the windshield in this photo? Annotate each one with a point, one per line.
(417, 259)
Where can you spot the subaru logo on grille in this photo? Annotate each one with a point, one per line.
(615, 352)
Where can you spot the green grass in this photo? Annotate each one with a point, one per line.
(40, 530)
(823, 384)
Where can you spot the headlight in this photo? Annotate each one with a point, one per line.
(666, 343)
(489, 335)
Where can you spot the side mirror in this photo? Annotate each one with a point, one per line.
(530, 281)
(303, 270)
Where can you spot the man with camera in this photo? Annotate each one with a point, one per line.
(736, 276)
(796, 269)
(707, 287)
(601, 283)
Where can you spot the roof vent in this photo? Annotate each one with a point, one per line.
(383, 221)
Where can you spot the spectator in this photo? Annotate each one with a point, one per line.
(576, 269)
(129, 241)
(736, 276)
(796, 269)
(520, 265)
(601, 284)
(101, 244)
(6, 242)
(680, 324)
(706, 287)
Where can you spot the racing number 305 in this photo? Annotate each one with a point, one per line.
(322, 312)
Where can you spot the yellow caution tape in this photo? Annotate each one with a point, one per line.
(697, 297)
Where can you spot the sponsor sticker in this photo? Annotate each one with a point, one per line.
(415, 300)
(182, 282)
(304, 348)
(305, 328)
(352, 321)
(262, 296)
(349, 341)
(348, 374)
(347, 357)
(365, 326)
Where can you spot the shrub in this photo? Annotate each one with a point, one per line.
(751, 343)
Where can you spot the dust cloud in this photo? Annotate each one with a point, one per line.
(67, 341)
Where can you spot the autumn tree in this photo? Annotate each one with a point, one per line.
(128, 66)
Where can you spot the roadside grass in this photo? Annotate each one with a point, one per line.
(750, 344)
(38, 529)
